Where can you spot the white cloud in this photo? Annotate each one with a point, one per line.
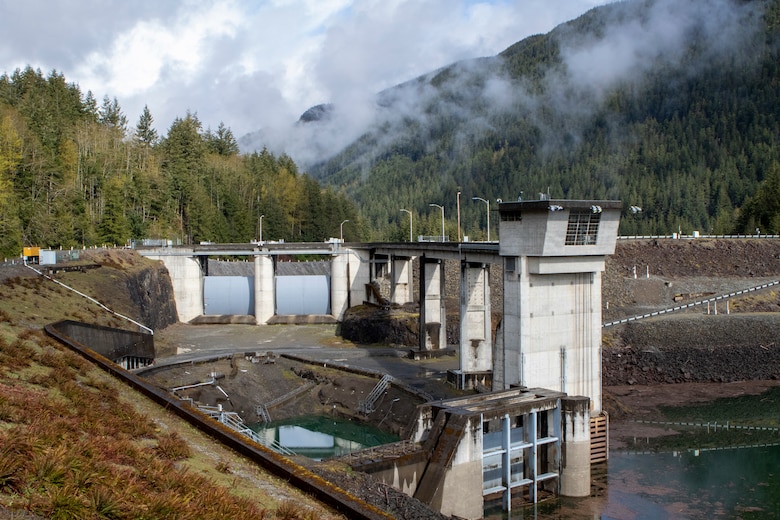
(139, 57)
(258, 64)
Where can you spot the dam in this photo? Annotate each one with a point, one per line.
(531, 431)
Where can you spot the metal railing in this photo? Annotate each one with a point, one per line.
(690, 305)
(366, 407)
(233, 421)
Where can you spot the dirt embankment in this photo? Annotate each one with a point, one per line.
(739, 343)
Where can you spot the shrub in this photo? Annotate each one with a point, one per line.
(105, 503)
(14, 453)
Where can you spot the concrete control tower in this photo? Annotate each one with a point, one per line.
(554, 253)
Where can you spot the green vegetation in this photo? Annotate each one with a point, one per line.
(72, 175)
(70, 447)
(692, 139)
(690, 135)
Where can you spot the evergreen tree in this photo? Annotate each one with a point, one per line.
(10, 157)
(183, 162)
(110, 114)
(114, 227)
(145, 133)
(222, 142)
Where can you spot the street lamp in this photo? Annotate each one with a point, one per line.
(488, 214)
(410, 222)
(459, 234)
(342, 229)
(442, 219)
(260, 225)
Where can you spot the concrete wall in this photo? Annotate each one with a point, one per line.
(187, 280)
(461, 493)
(110, 343)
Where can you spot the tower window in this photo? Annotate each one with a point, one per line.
(583, 228)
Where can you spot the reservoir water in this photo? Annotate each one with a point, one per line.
(701, 472)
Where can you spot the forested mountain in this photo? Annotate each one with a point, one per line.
(72, 175)
(669, 105)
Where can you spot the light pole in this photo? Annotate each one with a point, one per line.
(459, 234)
(260, 225)
(342, 229)
(410, 222)
(442, 219)
(488, 214)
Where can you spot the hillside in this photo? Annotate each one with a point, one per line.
(670, 106)
(76, 443)
(736, 343)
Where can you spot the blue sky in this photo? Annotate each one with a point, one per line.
(253, 64)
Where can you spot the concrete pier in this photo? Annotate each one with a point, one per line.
(575, 459)
(265, 292)
(476, 338)
(359, 270)
(433, 316)
(339, 285)
(187, 281)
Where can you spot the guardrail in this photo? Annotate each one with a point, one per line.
(689, 305)
(676, 236)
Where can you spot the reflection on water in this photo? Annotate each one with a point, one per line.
(726, 483)
(319, 437)
(698, 473)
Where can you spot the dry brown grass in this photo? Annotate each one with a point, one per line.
(72, 447)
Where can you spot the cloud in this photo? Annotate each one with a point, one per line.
(626, 49)
(634, 40)
(259, 65)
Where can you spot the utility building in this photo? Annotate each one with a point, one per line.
(554, 253)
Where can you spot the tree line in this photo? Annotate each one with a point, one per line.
(74, 174)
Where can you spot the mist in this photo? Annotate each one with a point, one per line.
(632, 40)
